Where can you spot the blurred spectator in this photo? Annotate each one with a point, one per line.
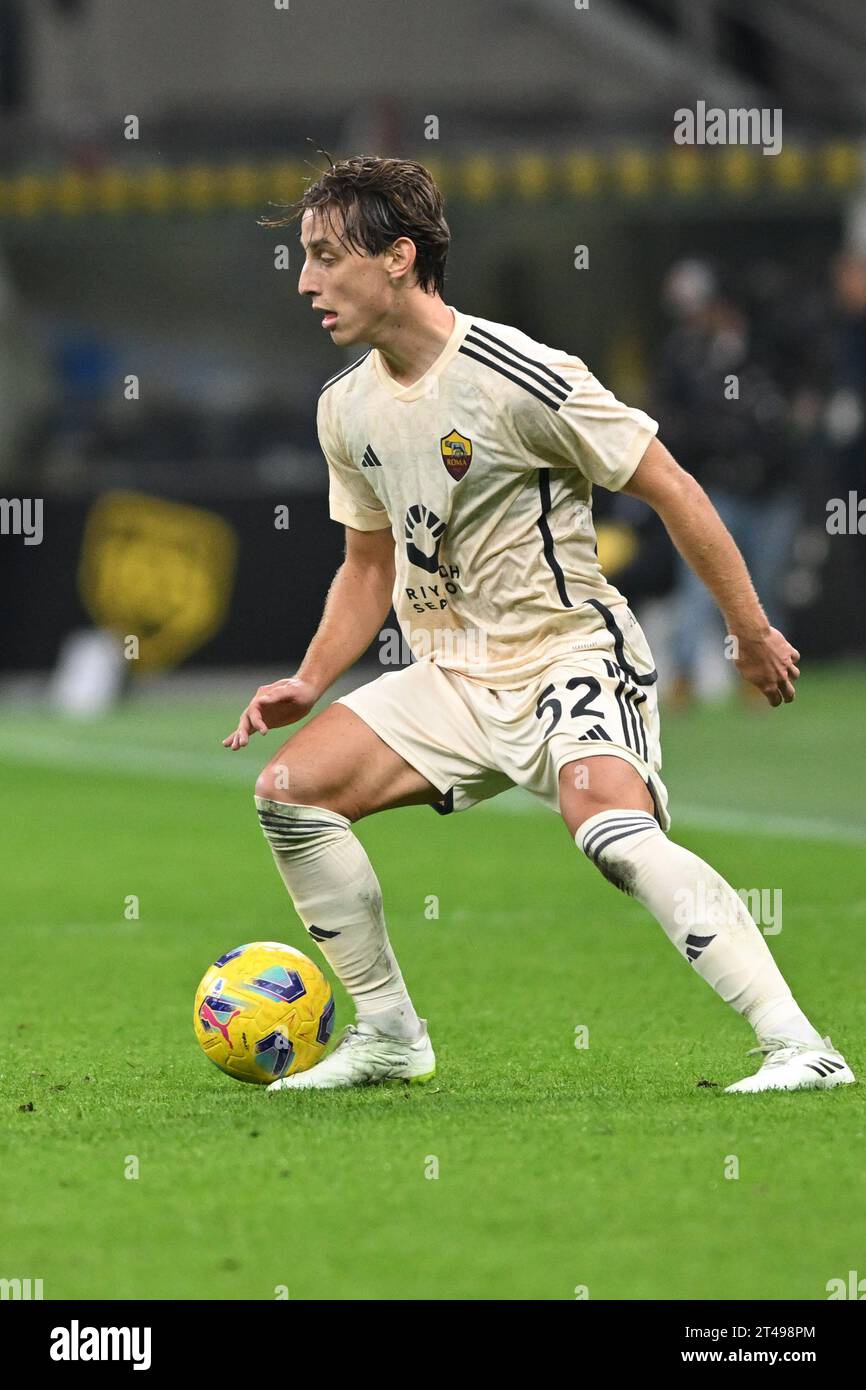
(726, 419)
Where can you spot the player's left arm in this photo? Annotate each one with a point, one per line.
(763, 655)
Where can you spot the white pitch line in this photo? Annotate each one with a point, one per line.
(61, 752)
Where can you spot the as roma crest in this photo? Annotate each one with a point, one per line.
(456, 453)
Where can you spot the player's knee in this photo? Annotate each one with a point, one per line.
(300, 785)
(591, 785)
(275, 783)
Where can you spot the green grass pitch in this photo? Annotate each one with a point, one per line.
(558, 1167)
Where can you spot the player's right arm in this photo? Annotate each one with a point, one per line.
(356, 607)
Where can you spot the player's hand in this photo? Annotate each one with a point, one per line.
(770, 663)
(272, 707)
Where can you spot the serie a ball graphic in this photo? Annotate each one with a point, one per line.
(263, 1011)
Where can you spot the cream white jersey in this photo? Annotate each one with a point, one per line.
(483, 471)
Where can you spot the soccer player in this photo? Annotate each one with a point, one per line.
(461, 457)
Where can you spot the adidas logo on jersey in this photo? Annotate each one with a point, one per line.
(370, 460)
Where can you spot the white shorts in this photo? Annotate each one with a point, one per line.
(473, 743)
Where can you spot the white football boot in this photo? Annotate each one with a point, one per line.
(796, 1066)
(364, 1057)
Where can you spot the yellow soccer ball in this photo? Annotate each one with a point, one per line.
(263, 1011)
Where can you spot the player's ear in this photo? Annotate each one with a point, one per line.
(400, 257)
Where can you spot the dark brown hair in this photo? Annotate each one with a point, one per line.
(381, 200)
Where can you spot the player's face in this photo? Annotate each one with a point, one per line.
(350, 290)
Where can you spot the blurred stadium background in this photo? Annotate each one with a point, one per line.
(142, 257)
(158, 384)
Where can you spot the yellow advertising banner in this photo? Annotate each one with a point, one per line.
(157, 570)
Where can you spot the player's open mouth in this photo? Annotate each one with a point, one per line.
(330, 319)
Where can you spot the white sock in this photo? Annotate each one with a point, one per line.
(337, 897)
(701, 914)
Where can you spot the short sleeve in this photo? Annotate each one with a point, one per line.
(351, 500)
(580, 424)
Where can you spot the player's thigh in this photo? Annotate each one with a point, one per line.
(603, 782)
(338, 762)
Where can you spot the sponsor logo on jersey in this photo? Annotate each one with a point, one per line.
(423, 528)
(456, 452)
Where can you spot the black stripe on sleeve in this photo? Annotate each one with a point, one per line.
(560, 380)
(562, 395)
(518, 381)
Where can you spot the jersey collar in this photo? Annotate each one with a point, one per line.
(421, 387)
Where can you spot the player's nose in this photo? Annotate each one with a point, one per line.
(305, 281)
